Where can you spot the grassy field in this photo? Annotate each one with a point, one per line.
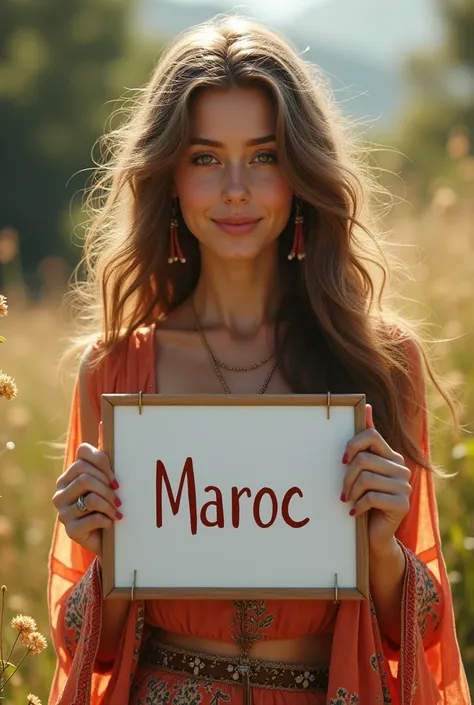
(443, 265)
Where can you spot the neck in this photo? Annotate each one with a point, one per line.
(240, 296)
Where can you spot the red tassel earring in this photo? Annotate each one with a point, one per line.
(297, 249)
(176, 253)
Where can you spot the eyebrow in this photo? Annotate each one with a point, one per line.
(249, 143)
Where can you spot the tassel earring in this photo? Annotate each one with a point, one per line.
(297, 249)
(176, 253)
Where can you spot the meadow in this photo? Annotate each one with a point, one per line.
(437, 242)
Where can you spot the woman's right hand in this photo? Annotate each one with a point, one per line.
(91, 478)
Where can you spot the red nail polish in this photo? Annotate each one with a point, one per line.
(119, 515)
(114, 485)
(117, 502)
(343, 497)
(352, 512)
(344, 458)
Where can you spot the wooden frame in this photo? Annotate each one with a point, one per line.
(135, 590)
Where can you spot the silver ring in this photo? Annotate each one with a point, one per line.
(80, 504)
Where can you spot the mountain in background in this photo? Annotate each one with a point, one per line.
(360, 45)
(374, 30)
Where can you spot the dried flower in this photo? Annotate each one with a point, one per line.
(3, 306)
(24, 624)
(8, 387)
(33, 699)
(36, 643)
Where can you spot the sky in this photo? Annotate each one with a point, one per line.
(276, 10)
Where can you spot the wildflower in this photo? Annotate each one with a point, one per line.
(24, 624)
(36, 643)
(8, 387)
(33, 700)
(3, 306)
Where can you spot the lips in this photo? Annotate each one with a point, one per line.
(236, 221)
(237, 225)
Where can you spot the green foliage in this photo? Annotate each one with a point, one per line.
(60, 65)
(441, 107)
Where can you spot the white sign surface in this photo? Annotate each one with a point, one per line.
(234, 496)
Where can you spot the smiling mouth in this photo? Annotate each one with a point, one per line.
(239, 226)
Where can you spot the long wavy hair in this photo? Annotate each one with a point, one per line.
(333, 330)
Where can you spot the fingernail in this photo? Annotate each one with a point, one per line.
(343, 497)
(119, 515)
(117, 502)
(114, 485)
(352, 512)
(344, 458)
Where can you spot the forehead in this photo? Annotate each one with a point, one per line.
(220, 113)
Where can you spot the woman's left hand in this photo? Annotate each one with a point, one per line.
(378, 480)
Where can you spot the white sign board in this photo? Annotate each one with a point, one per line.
(229, 496)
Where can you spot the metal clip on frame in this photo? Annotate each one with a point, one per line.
(132, 596)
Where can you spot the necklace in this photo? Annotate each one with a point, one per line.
(216, 363)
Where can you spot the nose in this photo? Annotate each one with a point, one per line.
(236, 188)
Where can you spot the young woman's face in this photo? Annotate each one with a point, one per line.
(229, 174)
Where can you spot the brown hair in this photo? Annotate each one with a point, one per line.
(332, 332)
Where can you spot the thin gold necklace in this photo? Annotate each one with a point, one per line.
(216, 363)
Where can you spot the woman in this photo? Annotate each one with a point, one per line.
(233, 254)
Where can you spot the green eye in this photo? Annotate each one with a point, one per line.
(201, 159)
(267, 157)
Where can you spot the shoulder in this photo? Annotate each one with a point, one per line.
(104, 365)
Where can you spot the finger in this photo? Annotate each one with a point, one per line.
(96, 457)
(100, 443)
(88, 459)
(94, 504)
(85, 484)
(368, 481)
(377, 465)
(80, 529)
(369, 416)
(396, 505)
(370, 439)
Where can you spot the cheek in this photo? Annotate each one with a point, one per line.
(276, 191)
(194, 192)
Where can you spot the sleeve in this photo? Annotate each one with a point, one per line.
(75, 603)
(428, 604)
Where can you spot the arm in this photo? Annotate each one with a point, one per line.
(114, 612)
(380, 481)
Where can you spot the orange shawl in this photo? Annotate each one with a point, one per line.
(426, 671)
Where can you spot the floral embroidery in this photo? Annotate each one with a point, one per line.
(248, 621)
(376, 662)
(426, 596)
(187, 693)
(157, 693)
(74, 613)
(139, 627)
(218, 697)
(343, 698)
(306, 678)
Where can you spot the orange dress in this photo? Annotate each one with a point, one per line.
(427, 670)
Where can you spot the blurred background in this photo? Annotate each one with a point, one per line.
(404, 72)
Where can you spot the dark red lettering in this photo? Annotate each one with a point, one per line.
(256, 507)
(285, 509)
(218, 504)
(236, 495)
(186, 475)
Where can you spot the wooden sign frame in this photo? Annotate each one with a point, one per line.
(135, 591)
